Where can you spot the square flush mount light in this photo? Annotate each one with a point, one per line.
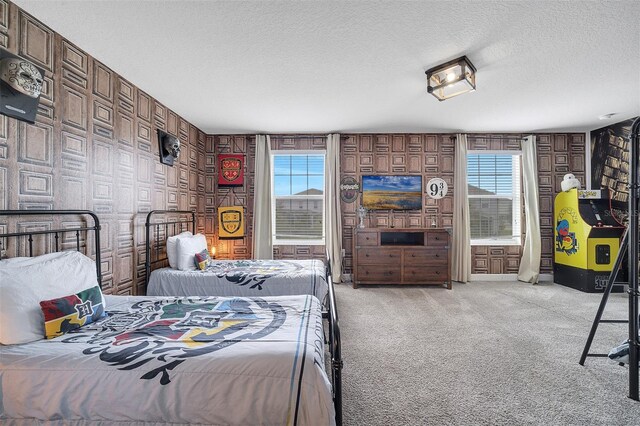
(451, 79)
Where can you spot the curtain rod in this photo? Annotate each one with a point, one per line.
(491, 136)
(280, 136)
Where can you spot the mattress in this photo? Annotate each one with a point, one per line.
(214, 360)
(244, 278)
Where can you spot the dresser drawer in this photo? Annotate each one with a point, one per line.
(426, 256)
(375, 256)
(379, 274)
(437, 238)
(419, 274)
(367, 239)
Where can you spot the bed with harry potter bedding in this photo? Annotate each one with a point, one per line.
(69, 354)
(213, 360)
(243, 278)
(169, 241)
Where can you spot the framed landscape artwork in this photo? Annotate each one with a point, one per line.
(392, 192)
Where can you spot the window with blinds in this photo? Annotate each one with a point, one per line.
(298, 197)
(494, 197)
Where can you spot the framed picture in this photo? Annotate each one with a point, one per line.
(231, 222)
(230, 170)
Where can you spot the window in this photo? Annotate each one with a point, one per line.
(298, 197)
(494, 197)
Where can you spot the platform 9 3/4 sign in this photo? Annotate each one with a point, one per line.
(437, 188)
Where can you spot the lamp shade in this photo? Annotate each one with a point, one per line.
(451, 79)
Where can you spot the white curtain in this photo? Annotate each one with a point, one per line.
(262, 233)
(333, 215)
(530, 263)
(461, 241)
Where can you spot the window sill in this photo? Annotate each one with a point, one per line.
(496, 242)
(298, 242)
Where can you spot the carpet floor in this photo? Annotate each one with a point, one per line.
(484, 353)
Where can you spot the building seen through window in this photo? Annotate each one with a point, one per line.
(298, 202)
(494, 197)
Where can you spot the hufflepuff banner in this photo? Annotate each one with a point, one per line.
(231, 222)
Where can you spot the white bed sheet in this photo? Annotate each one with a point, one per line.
(245, 278)
(216, 360)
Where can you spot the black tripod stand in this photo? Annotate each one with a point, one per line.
(630, 248)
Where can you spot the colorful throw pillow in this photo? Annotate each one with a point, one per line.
(202, 259)
(71, 312)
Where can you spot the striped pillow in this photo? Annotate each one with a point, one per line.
(202, 259)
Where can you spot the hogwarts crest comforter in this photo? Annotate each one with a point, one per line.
(247, 278)
(214, 360)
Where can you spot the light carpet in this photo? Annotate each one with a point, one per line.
(484, 353)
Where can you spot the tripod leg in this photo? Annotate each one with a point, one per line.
(605, 297)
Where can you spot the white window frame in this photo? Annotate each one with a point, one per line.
(516, 238)
(297, 242)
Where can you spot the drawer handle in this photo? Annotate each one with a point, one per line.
(367, 238)
(390, 255)
(437, 255)
(413, 255)
(437, 238)
(437, 272)
(366, 255)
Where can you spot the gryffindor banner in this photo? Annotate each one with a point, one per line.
(231, 222)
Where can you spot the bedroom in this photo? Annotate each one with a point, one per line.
(220, 76)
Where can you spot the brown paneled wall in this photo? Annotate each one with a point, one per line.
(94, 146)
(431, 155)
(241, 248)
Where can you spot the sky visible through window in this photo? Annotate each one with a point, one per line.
(490, 174)
(298, 174)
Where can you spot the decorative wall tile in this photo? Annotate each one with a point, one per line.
(93, 147)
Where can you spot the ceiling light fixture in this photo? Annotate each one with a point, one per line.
(451, 79)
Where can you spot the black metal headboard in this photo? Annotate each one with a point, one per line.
(176, 225)
(57, 233)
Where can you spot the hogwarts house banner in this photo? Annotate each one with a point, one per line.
(231, 170)
(610, 161)
(231, 222)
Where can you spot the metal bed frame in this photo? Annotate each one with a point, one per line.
(179, 224)
(57, 232)
(331, 314)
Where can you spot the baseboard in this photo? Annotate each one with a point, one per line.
(507, 277)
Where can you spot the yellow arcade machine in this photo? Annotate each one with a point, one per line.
(586, 240)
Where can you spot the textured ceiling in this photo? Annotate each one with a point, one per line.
(354, 66)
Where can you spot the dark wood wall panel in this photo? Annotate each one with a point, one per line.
(216, 196)
(94, 146)
(431, 155)
(557, 154)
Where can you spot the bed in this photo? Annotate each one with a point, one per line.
(225, 277)
(207, 360)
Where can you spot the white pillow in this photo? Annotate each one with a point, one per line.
(22, 288)
(187, 249)
(172, 248)
(19, 262)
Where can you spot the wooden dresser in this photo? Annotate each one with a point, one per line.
(401, 256)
